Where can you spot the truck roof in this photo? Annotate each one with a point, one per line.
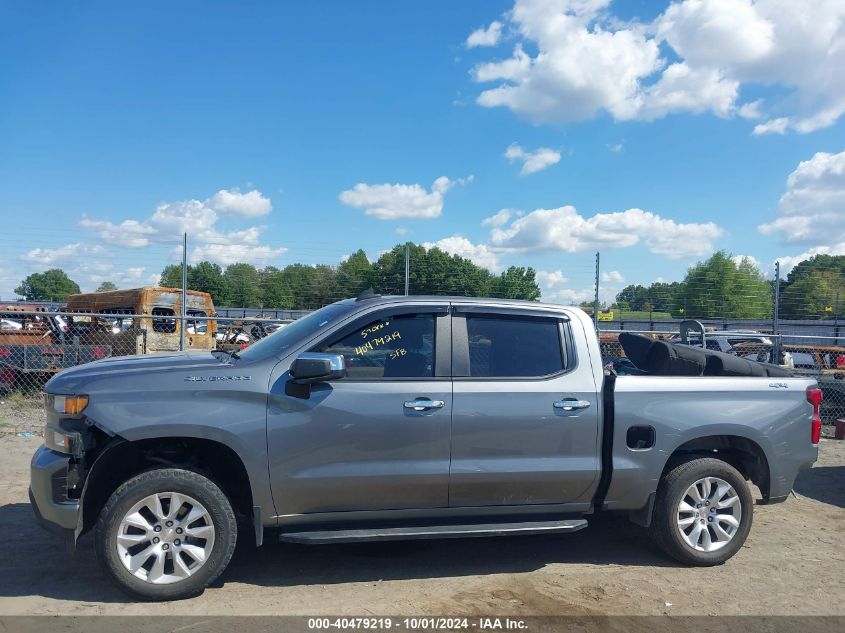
(456, 299)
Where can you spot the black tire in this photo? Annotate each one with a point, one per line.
(671, 491)
(177, 480)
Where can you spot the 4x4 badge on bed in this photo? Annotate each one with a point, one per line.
(779, 385)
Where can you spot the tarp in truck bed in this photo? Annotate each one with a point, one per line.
(660, 358)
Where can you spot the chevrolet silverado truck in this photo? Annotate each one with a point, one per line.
(384, 418)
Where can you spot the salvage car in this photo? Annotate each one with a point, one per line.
(384, 418)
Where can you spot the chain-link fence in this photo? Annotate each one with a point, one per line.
(822, 358)
(37, 344)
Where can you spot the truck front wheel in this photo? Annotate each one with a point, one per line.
(702, 513)
(166, 534)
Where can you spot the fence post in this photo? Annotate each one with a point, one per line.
(183, 312)
(596, 300)
(407, 268)
(776, 316)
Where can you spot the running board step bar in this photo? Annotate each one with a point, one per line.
(433, 531)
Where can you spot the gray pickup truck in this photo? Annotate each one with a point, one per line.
(411, 417)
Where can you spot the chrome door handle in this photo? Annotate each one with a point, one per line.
(571, 405)
(422, 405)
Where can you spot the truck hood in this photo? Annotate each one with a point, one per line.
(74, 379)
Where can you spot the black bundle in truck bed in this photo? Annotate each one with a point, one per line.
(660, 358)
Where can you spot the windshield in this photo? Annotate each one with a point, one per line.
(280, 341)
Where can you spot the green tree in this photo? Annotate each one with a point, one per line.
(813, 285)
(435, 272)
(811, 293)
(107, 286)
(516, 282)
(171, 277)
(666, 297)
(275, 291)
(720, 288)
(243, 284)
(354, 275)
(634, 295)
(204, 277)
(208, 277)
(51, 285)
(817, 263)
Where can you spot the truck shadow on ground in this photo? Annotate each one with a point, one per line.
(36, 563)
(823, 483)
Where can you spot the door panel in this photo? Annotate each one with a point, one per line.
(354, 445)
(510, 444)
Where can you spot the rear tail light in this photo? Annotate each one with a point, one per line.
(5, 351)
(814, 397)
(98, 352)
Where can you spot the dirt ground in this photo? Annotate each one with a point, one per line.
(792, 563)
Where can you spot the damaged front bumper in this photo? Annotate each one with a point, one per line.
(48, 490)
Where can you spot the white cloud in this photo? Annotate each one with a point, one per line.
(393, 201)
(227, 254)
(532, 162)
(198, 219)
(565, 229)
(773, 126)
(550, 279)
(569, 296)
(751, 110)
(738, 259)
(812, 210)
(45, 258)
(612, 276)
(400, 231)
(588, 61)
(498, 219)
(129, 233)
(788, 262)
(252, 204)
(485, 36)
(616, 147)
(87, 264)
(479, 254)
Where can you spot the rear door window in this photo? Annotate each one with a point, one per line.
(518, 347)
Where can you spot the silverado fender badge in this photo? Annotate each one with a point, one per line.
(216, 378)
(779, 385)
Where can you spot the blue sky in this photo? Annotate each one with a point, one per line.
(332, 126)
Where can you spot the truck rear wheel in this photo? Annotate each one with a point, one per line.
(166, 534)
(702, 512)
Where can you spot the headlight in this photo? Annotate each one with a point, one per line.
(69, 442)
(67, 405)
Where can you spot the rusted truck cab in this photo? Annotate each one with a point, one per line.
(143, 320)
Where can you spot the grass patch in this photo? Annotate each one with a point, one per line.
(22, 399)
(645, 315)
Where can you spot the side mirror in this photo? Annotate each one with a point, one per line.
(311, 367)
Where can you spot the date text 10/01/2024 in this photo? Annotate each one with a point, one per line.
(418, 623)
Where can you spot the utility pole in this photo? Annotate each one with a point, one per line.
(407, 268)
(183, 312)
(596, 300)
(776, 315)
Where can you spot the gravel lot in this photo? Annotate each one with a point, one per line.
(792, 564)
